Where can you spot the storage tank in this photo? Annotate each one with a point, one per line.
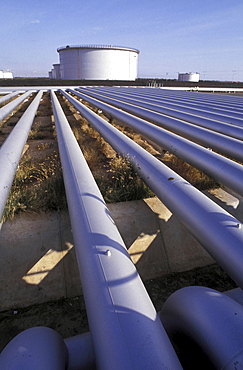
(56, 71)
(6, 74)
(189, 77)
(98, 62)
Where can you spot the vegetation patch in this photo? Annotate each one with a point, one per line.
(122, 183)
(196, 177)
(37, 187)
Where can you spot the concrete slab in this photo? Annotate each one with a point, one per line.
(140, 230)
(31, 267)
(183, 252)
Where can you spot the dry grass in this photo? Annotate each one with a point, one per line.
(37, 187)
(196, 177)
(121, 183)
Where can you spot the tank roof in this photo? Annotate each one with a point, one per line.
(110, 47)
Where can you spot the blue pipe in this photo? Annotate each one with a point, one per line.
(125, 328)
(211, 319)
(38, 348)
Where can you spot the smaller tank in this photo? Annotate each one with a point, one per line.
(189, 77)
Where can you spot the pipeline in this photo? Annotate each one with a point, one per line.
(232, 102)
(8, 96)
(12, 149)
(10, 107)
(223, 170)
(218, 232)
(210, 319)
(233, 129)
(38, 348)
(80, 352)
(216, 141)
(121, 315)
(163, 96)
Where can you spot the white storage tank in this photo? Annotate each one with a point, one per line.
(56, 71)
(6, 74)
(189, 77)
(97, 62)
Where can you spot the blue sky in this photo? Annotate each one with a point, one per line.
(204, 36)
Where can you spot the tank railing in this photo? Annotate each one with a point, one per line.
(10, 107)
(121, 315)
(180, 111)
(12, 149)
(174, 117)
(219, 232)
(97, 47)
(223, 170)
(7, 97)
(209, 318)
(216, 141)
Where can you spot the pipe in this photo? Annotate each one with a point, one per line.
(125, 328)
(222, 169)
(12, 149)
(80, 352)
(210, 123)
(209, 318)
(10, 107)
(8, 96)
(236, 294)
(218, 232)
(216, 141)
(37, 348)
(215, 100)
(180, 103)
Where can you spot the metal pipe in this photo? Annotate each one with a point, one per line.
(230, 101)
(231, 128)
(216, 141)
(198, 101)
(211, 319)
(80, 352)
(12, 149)
(36, 348)
(222, 169)
(125, 328)
(219, 232)
(8, 96)
(236, 294)
(10, 107)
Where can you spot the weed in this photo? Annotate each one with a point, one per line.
(37, 187)
(123, 183)
(196, 177)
